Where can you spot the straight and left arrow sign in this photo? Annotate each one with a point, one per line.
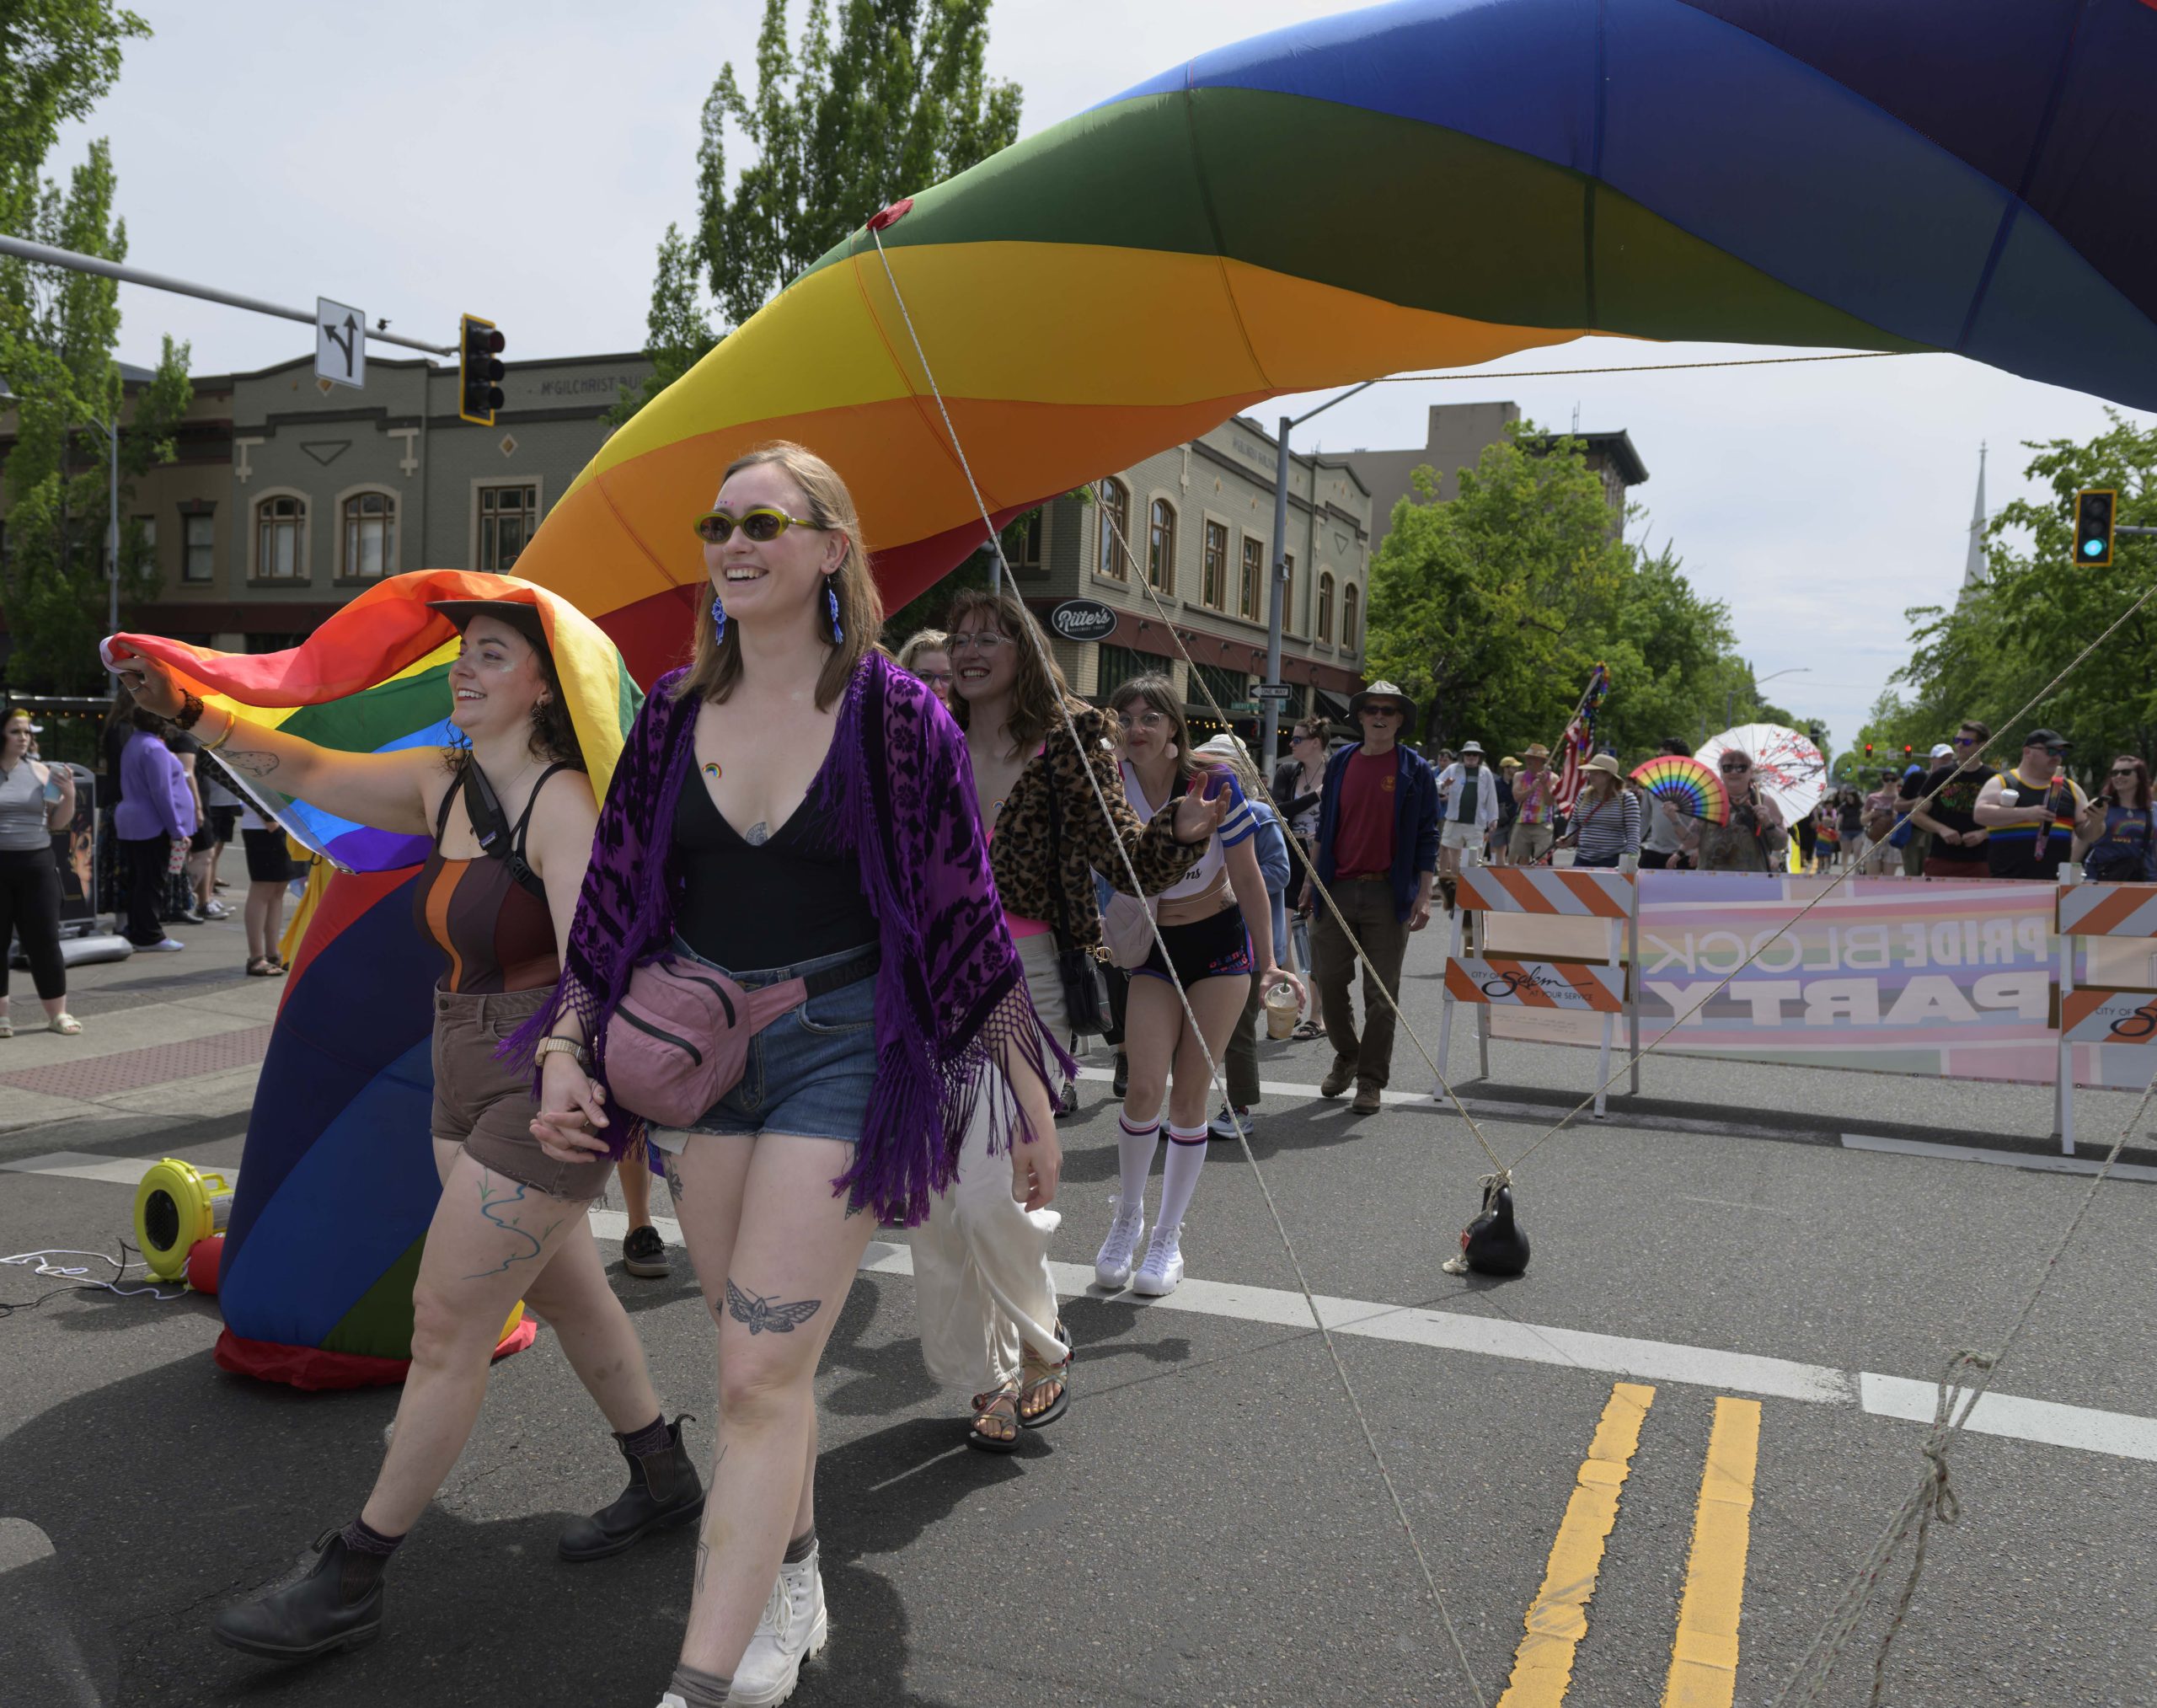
(340, 343)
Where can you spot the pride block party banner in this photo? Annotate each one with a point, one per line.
(1945, 978)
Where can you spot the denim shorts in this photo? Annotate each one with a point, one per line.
(809, 1073)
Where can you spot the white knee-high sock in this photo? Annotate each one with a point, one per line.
(1135, 1147)
(1180, 1174)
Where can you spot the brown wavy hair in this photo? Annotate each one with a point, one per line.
(716, 665)
(1160, 693)
(554, 732)
(1038, 690)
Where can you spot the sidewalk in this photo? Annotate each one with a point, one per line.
(177, 1035)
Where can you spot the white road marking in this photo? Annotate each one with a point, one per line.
(2011, 1159)
(118, 1170)
(2118, 1434)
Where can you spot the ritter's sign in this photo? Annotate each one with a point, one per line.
(1083, 619)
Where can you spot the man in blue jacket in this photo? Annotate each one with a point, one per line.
(1378, 855)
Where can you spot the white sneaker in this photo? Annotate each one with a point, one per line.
(166, 945)
(1112, 1263)
(1223, 1125)
(793, 1628)
(1163, 1270)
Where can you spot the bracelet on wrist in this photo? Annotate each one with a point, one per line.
(564, 1047)
(190, 711)
(232, 723)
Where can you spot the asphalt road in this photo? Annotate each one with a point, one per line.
(1207, 1525)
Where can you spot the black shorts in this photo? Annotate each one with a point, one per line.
(267, 860)
(204, 839)
(1216, 947)
(223, 822)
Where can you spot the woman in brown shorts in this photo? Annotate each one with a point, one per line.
(512, 1221)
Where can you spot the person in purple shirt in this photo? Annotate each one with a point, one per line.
(156, 808)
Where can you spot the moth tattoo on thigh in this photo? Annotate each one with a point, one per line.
(767, 1316)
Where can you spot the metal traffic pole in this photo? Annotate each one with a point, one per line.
(46, 255)
(1270, 726)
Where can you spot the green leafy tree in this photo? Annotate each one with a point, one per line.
(57, 331)
(2006, 641)
(836, 129)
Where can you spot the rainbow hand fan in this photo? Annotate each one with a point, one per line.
(1686, 783)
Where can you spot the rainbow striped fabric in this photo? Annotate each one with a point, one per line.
(1430, 183)
(375, 677)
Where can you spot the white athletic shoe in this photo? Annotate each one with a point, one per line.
(793, 1628)
(1163, 1270)
(1112, 1263)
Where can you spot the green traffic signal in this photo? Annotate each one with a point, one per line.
(2093, 526)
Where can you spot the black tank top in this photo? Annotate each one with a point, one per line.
(790, 899)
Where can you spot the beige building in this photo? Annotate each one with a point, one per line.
(1183, 541)
(1454, 439)
(289, 496)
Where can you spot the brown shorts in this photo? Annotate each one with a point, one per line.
(487, 1107)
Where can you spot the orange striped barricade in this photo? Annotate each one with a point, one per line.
(2098, 1015)
(1593, 987)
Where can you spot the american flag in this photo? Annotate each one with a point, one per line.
(1576, 747)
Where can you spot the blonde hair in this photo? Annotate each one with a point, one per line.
(715, 664)
(923, 640)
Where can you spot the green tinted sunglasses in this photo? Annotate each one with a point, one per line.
(760, 522)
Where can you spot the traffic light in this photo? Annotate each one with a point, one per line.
(478, 370)
(1868, 750)
(2093, 527)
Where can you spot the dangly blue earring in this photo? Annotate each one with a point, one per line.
(832, 600)
(718, 620)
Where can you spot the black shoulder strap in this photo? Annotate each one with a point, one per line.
(491, 826)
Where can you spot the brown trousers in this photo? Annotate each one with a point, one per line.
(1367, 904)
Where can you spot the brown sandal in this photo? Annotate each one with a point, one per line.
(999, 1406)
(1037, 1372)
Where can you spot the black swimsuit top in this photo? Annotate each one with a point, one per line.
(793, 898)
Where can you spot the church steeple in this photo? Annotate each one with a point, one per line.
(1973, 565)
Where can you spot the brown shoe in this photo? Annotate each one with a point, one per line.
(1337, 1082)
(1369, 1098)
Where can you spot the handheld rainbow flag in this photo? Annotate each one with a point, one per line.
(1693, 788)
(375, 678)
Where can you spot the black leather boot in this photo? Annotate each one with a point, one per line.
(664, 1490)
(308, 1618)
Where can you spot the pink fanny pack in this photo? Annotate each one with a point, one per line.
(678, 1040)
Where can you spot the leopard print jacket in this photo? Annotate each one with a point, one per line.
(1021, 856)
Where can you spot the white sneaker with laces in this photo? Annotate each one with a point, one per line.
(1223, 1125)
(1160, 1274)
(1112, 1263)
(793, 1628)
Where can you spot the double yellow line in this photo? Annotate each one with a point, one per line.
(1704, 1655)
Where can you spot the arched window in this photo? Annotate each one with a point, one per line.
(1215, 577)
(1254, 571)
(1351, 600)
(1114, 560)
(368, 537)
(1325, 606)
(1161, 547)
(280, 527)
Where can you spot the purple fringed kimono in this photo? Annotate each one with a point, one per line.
(950, 996)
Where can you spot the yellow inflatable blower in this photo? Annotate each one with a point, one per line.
(177, 1206)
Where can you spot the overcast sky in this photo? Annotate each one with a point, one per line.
(521, 163)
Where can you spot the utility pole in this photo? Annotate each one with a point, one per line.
(1270, 728)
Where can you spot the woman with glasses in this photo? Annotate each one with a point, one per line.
(927, 655)
(1605, 828)
(1755, 838)
(2113, 838)
(1217, 925)
(984, 1291)
(1298, 788)
(793, 805)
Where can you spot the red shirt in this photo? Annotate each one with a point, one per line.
(1363, 831)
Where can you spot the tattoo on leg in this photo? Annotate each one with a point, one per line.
(673, 1168)
(767, 1315)
(490, 1201)
(703, 1548)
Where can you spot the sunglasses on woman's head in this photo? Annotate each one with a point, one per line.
(760, 522)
